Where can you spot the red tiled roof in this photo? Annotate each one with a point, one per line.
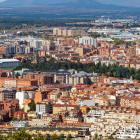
(131, 98)
(64, 105)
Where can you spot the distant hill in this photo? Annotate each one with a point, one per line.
(94, 4)
(19, 3)
(86, 4)
(133, 3)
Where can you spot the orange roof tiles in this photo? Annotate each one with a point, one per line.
(63, 105)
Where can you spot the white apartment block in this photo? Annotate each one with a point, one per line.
(130, 131)
(44, 108)
(88, 40)
(23, 95)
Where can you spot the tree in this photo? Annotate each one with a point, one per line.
(32, 106)
(21, 119)
(96, 136)
(3, 55)
(14, 119)
(110, 137)
(47, 56)
(108, 73)
(114, 74)
(69, 137)
(20, 135)
(17, 75)
(53, 137)
(48, 137)
(37, 58)
(39, 137)
(61, 137)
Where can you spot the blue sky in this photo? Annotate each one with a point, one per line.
(2, 0)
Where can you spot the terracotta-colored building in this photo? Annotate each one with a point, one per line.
(4, 115)
(104, 51)
(12, 82)
(11, 106)
(42, 78)
(84, 109)
(20, 114)
(131, 102)
(40, 95)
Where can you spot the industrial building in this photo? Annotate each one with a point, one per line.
(9, 63)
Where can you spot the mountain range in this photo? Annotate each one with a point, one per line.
(18, 3)
(68, 6)
(90, 4)
(133, 3)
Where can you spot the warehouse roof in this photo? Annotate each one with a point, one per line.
(8, 60)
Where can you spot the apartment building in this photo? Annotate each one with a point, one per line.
(57, 108)
(131, 102)
(60, 76)
(54, 76)
(40, 95)
(36, 43)
(11, 107)
(28, 50)
(21, 95)
(12, 82)
(4, 115)
(69, 42)
(20, 114)
(60, 55)
(104, 101)
(5, 73)
(44, 108)
(88, 40)
(104, 51)
(83, 50)
(138, 49)
(43, 78)
(42, 53)
(83, 77)
(126, 132)
(7, 94)
(67, 32)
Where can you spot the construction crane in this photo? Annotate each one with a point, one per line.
(33, 49)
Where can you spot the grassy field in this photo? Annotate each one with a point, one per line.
(6, 68)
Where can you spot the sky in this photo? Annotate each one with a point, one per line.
(2, 0)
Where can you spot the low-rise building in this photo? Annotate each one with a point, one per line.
(44, 108)
(57, 108)
(20, 124)
(20, 114)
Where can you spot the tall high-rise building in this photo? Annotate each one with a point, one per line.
(88, 40)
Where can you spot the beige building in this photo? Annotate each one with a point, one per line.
(54, 96)
(59, 55)
(83, 51)
(57, 108)
(10, 83)
(72, 120)
(84, 78)
(67, 32)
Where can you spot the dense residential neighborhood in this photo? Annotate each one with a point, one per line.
(81, 82)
